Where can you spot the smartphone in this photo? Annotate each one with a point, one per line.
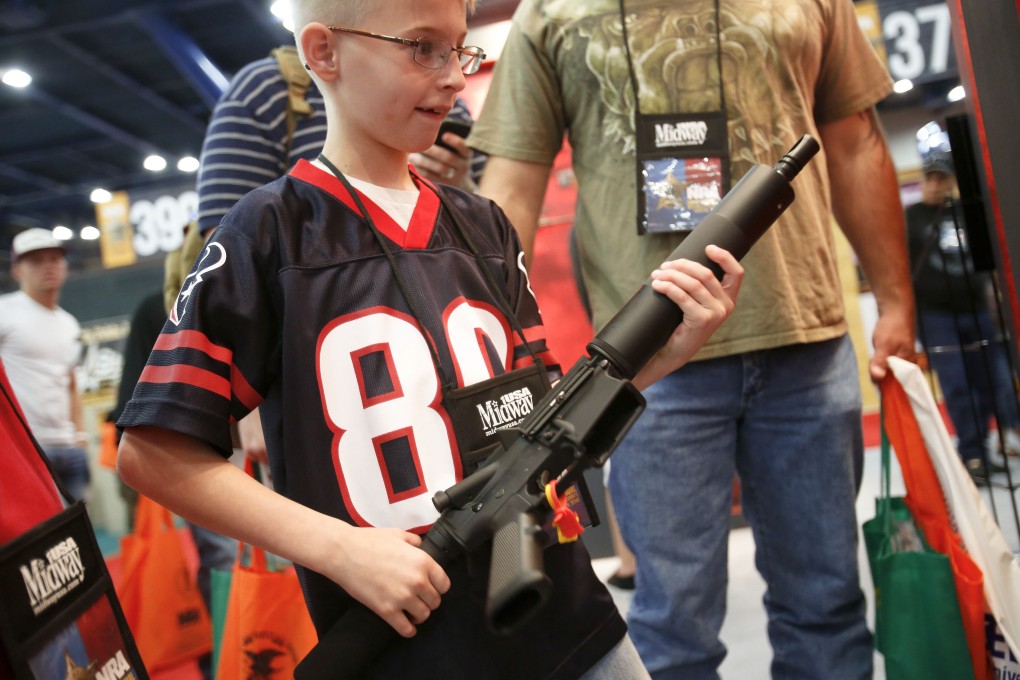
(460, 128)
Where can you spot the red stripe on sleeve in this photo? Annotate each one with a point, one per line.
(193, 340)
(245, 393)
(187, 375)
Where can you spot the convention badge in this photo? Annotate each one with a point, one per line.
(61, 617)
(682, 169)
(479, 412)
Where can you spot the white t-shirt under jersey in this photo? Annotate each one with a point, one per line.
(397, 203)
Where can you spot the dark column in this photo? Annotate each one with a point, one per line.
(986, 35)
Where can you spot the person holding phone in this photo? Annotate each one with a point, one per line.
(450, 157)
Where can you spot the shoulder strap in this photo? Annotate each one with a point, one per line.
(298, 81)
(178, 263)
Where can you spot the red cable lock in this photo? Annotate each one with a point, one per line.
(568, 526)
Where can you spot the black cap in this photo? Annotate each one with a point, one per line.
(938, 163)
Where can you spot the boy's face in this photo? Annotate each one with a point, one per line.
(389, 103)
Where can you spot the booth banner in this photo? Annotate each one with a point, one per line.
(115, 232)
(61, 618)
(981, 536)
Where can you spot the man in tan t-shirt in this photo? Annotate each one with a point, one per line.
(774, 396)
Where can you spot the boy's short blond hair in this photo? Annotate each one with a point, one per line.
(338, 12)
(330, 12)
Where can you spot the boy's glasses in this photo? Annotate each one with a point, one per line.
(430, 52)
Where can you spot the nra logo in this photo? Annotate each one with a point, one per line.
(692, 133)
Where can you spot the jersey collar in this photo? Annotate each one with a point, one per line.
(423, 220)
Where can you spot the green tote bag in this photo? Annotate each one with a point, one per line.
(918, 627)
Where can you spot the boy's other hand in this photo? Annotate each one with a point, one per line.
(706, 302)
(437, 164)
(384, 570)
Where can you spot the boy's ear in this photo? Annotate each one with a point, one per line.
(318, 46)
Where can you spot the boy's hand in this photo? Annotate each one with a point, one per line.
(382, 569)
(706, 302)
(442, 165)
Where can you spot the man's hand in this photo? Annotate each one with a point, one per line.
(442, 165)
(252, 439)
(893, 337)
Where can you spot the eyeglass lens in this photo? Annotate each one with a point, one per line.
(433, 53)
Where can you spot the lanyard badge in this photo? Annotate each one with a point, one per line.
(682, 158)
(682, 169)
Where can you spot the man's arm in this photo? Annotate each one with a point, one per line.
(378, 567)
(518, 187)
(80, 436)
(866, 203)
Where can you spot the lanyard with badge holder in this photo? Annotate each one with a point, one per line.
(480, 412)
(682, 159)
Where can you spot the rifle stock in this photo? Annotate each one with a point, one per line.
(577, 425)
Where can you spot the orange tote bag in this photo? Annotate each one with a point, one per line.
(267, 630)
(159, 594)
(927, 504)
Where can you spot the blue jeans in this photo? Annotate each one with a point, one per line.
(976, 382)
(788, 421)
(620, 663)
(215, 551)
(71, 466)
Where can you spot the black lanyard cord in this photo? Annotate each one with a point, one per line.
(494, 289)
(633, 75)
(497, 291)
(401, 282)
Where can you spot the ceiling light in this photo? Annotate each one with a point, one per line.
(100, 196)
(188, 164)
(282, 11)
(155, 163)
(15, 77)
(89, 233)
(62, 233)
(956, 94)
(901, 86)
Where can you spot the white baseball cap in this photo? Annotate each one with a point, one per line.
(34, 239)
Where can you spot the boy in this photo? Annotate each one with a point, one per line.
(302, 303)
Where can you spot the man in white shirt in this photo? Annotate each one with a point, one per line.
(39, 346)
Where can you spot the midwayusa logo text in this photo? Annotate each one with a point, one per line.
(692, 133)
(48, 580)
(507, 412)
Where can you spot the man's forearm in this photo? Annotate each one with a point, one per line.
(866, 203)
(519, 189)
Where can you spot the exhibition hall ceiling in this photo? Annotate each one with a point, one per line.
(113, 82)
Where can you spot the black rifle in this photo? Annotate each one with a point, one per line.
(577, 425)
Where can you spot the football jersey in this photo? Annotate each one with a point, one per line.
(293, 306)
